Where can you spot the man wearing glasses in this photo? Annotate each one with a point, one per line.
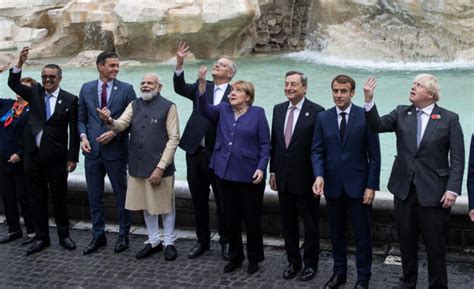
(47, 156)
(198, 141)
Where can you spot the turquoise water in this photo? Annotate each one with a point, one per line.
(267, 73)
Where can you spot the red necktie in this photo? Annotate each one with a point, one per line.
(103, 96)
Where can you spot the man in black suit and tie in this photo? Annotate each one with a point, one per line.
(346, 163)
(291, 174)
(48, 156)
(198, 141)
(426, 175)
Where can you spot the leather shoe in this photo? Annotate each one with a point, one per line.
(67, 243)
(231, 266)
(37, 247)
(361, 285)
(122, 244)
(27, 240)
(336, 280)
(291, 271)
(197, 250)
(253, 267)
(308, 273)
(11, 237)
(225, 251)
(95, 244)
(170, 253)
(149, 250)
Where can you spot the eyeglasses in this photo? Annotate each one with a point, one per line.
(221, 64)
(48, 76)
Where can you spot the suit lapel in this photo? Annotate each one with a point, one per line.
(210, 93)
(430, 126)
(280, 122)
(350, 122)
(59, 103)
(304, 115)
(113, 93)
(333, 123)
(95, 93)
(411, 122)
(41, 103)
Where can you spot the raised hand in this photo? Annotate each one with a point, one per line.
(369, 88)
(202, 79)
(23, 56)
(181, 53)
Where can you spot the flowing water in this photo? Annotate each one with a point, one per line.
(267, 73)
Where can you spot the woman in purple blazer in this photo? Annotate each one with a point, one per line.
(239, 161)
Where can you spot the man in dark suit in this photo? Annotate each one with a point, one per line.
(104, 150)
(292, 175)
(47, 156)
(198, 141)
(470, 180)
(426, 175)
(346, 164)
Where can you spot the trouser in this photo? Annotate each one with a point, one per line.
(152, 227)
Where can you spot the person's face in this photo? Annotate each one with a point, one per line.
(50, 79)
(109, 70)
(238, 97)
(222, 69)
(294, 89)
(150, 84)
(342, 94)
(419, 94)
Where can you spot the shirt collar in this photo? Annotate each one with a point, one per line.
(54, 94)
(427, 110)
(222, 86)
(347, 110)
(298, 106)
(109, 83)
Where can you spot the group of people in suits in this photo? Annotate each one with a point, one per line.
(228, 142)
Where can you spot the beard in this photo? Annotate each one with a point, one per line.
(147, 96)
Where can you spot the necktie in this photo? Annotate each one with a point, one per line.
(342, 126)
(216, 98)
(419, 113)
(289, 126)
(103, 95)
(47, 106)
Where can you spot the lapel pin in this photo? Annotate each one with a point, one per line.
(59, 101)
(115, 87)
(409, 113)
(307, 114)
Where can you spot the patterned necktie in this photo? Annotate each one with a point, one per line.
(103, 95)
(419, 113)
(47, 105)
(289, 126)
(342, 126)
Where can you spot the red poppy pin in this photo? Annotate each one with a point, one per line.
(435, 116)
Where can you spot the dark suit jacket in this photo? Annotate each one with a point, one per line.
(242, 146)
(54, 142)
(470, 175)
(436, 166)
(90, 124)
(352, 165)
(197, 126)
(292, 166)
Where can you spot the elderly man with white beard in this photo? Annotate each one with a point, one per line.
(154, 136)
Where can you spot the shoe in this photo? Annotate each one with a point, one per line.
(37, 247)
(231, 266)
(361, 285)
(67, 243)
(11, 237)
(95, 244)
(197, 250)
(170, 253)
(308, 273)
(291, 271)
(27, 240)
(253, 267)
(336, 280)
(225, 251)
(122, 244)
(149, 250)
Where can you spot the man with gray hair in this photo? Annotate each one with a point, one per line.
(154, 136)
(426, 175)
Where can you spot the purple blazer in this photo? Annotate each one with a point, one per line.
(242, 145)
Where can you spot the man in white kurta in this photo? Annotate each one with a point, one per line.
(154, 136)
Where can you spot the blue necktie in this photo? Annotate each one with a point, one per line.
(47, 106)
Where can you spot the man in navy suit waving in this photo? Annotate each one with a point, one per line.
(346, 164)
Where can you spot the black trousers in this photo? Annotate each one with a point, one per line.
(200, 179)
(44, 178)
(14, 191)
(243, 201)
(432, 224)
(307, 207)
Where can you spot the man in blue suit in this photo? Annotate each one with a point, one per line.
(105, 151)
(346, 164)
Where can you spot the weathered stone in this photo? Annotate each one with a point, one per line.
(263, 36)
(85, 58)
